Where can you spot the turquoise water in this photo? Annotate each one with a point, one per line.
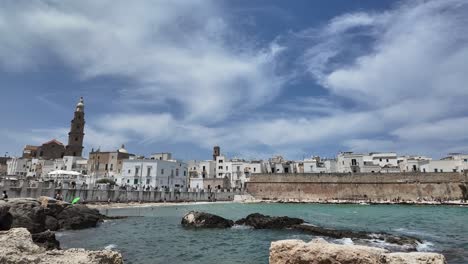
(157, 236)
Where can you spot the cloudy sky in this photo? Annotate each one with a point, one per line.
(258, 78)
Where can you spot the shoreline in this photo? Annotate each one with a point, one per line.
(114, 205)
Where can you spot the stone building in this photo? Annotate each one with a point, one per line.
(106, 164)
(76, 134)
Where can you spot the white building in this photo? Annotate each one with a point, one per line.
(238, 171)
(153, 173)
(455, 162)
(412, 163)
(200, 170)
(386, 162)
(17, 166)
(316, 165)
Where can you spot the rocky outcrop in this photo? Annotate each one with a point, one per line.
(27, 213)
(46, 240)
(16, 246)
(78, 217)
(319, 252)
(6, 219)
(44, 213)
(205, 220)
(409, 243)
(259, 221)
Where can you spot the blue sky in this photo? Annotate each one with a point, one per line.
(258, 78)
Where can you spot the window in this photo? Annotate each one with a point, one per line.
(137, 170)
(441, 170)
(354, 162)
(220, 167)
(147, 181)
(380, 159)
(227, 167)
(148, 171)
(129, 171)
(454, 170)
(220, 161)
(162, 171)
(185, 173)
(204, 168)
(111, 166)
(106, 166)
(255, 169)
(128, 180)
(135, 181)
(465, 160)
(435, 170)
(238, 168)
(387, 160)
(220, 174)
(176, 172)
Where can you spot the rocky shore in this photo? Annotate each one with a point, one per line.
(27, 232)
(17, 246)
(319, 251)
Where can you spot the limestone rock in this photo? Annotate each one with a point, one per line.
(206, 220)
(259, 221)
(318, 252)
(78, 217)
(16, 246)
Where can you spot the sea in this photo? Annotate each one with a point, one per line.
(155, 235)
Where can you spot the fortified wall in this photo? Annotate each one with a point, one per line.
(364, 186)
(117, 195)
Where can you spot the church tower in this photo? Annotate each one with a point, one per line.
(76, 134)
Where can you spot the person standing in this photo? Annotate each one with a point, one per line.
(4, 195)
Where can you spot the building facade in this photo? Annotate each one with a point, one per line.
(76, 134)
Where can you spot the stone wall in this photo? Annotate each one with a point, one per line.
(116, 195)
(375, 186)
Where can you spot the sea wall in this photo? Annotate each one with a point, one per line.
(117, 195)
(364, 186)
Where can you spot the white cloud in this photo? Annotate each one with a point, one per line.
(178, 51)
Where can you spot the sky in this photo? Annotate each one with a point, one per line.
(258, 78)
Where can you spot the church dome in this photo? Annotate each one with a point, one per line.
(122, 149)
(80, 105)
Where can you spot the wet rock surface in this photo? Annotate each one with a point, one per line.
(6, 219)
(205, 220)
(44, 213)
(17, 247)
(319, 251)
(46, 240)
(259, 221)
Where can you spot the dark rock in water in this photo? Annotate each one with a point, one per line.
(410, 242)
(46, 240)
(51, 223)
(78, 217)
(259, 221)
(6, 219)
(205, 220)
(27, 213)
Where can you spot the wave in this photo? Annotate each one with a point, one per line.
(111, 246)
(345, 241)
(241, 227)
(425, 246)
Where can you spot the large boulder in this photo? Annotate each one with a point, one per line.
(259, 221)
(51, 223)
(78, 217)
(27, 213)
(6, 219)
(319, 252)
(206, 220)
(46, 240)
(17, 247)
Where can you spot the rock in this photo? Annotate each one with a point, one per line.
(51, 223)
(17, 247)
(6, 219)
(27, 213)
(78, 217)
(259, 221)
(201, 219)
(46, 240)
(318, 252)
(409, 243)
(54, 207)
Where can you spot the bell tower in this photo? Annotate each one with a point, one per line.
(76, 134)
